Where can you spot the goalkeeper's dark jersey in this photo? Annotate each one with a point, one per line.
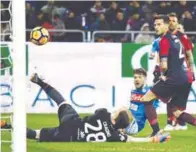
(94, 128)
(99, 128)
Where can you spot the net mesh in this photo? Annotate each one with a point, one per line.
(6, 71)
(6, 20)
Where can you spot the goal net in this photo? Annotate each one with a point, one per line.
(12, 77)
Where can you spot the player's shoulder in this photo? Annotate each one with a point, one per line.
(167, 35)
(156, 40)
(181, 34)
(146, 88)
(101, 110)
(141, 91)
(184, 36)
(101, 113)
(165, 38)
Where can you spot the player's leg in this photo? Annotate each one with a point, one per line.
(151, 115)
(52, 92)
(162, 90)
(170, 118)
(181, 99)
(180, 105)
(181, 125)
(150, 111)
(44, 134)
(172, 122)
(33, 134)
(186, 117)
(65, 111)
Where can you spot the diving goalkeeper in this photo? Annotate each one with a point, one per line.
(102, 126)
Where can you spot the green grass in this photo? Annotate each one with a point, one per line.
(182, 141)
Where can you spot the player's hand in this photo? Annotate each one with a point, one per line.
(161, 138)
(152, 56)
(162, 77)
(193, 77)
(157, 71)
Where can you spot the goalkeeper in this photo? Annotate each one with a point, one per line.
(102, 126)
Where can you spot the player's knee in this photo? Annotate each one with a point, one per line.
(177, 113)
(62, 103)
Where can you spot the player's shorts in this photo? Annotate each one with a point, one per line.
(168, 92)
(180, 100)
(67, 113)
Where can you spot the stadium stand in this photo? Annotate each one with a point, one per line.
(89, 16)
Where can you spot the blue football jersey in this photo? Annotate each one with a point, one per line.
(138, 111)
(155, 45)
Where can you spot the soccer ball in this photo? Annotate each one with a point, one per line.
(39, 36)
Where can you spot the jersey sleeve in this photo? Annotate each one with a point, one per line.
(102, 112)
(186, 42)
(164, 47)
(155, 46)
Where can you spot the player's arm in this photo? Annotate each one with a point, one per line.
(190, 60)
(164, 51)
(153, 51)
(156, 139)
(139, 139)
(100, 111)
(188, 49)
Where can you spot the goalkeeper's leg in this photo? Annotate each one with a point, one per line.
(50, 91)
(33, 134)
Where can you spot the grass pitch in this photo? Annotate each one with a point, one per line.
(182, 141)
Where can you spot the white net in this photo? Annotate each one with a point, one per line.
(6, 20)
(6, 70)
(6, 79)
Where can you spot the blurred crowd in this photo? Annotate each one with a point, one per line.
(107, 16)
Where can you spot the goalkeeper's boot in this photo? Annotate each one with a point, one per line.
(35, 78)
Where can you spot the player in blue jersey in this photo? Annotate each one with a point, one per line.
(155, 48)
(137, 107)
(175, 81)
(154, 54)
